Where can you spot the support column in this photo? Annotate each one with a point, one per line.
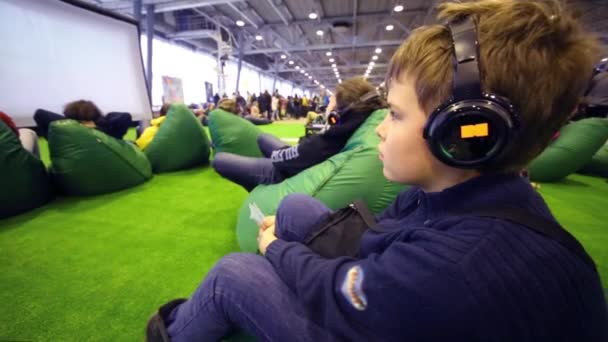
(137, 6)
(150, 37)
(240, 62)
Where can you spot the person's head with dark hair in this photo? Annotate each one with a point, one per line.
(83, 111)
(165, 109)
(9, 122)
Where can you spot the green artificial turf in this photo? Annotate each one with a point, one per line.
(284, 130)
(95, 268)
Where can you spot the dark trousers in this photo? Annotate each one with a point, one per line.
(247, 171)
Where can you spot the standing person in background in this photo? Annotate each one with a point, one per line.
(275, 106)
(241, 102)
(304, 105)
(283, 106)
(216, 99)
(265, 102)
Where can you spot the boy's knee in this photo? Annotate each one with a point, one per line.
(233, 267)
(290, 204)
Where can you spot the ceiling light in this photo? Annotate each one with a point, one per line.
(290, 62)
(297, 67)
(339, 80)
(283, 56)
(312, 16)
(322, 86)
(374, 58)
(331, 60)
(372, 63)
(320, 33)
(333, 65)
(398, 8)
(240, 23)
(258, 37)
(378, 50)
(302, 71)
(310, 77)
(306, 74)
(389, 27)
(328, 53)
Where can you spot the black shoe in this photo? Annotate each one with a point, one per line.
(156, 330)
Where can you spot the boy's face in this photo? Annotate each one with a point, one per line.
(403, 149)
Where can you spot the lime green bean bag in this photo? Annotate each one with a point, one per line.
(354, 173)
(180, 143)
(576, 145)
(86, 161)
(24, 182)
(598, 166)
(233, 134)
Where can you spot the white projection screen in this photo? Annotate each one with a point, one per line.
(55, 52)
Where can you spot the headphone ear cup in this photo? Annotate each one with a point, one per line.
(333, 118)
(469, 133)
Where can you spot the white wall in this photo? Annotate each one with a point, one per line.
(196, 68)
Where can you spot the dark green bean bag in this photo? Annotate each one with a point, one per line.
(598, 166)
(86, 161)
(354, 173)
(233, 134)
(180, 143)
(24, 182)
(576, 145)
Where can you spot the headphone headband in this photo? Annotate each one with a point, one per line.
(467, 82)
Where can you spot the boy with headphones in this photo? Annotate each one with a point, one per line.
(471, 252)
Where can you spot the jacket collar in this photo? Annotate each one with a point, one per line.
(485, 191)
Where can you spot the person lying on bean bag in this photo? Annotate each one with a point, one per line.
(356, 99)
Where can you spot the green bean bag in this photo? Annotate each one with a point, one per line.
(24, 182)
(86, 161)
(598, 166)
(576, 145)
(180, 143)
(354, 173)
(233, 134)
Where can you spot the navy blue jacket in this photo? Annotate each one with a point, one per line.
(433, 276)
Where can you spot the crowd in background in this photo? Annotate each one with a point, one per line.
(266, 106)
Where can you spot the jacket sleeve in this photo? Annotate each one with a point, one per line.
(344, 294)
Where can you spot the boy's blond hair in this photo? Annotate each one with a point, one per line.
(351, 90)
(533, 52)
(228, 105)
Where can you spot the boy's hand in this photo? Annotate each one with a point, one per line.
(265, 237)
(267, 222)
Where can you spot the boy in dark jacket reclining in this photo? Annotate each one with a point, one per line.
(471, 103)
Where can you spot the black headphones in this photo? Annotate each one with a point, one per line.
(334, 117)
(472, 128)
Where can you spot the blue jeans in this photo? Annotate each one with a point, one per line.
(244, 293)
(247, 171)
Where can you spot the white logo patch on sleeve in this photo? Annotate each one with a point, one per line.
(352, 288)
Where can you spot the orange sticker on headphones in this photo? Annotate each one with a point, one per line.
(474, 131)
